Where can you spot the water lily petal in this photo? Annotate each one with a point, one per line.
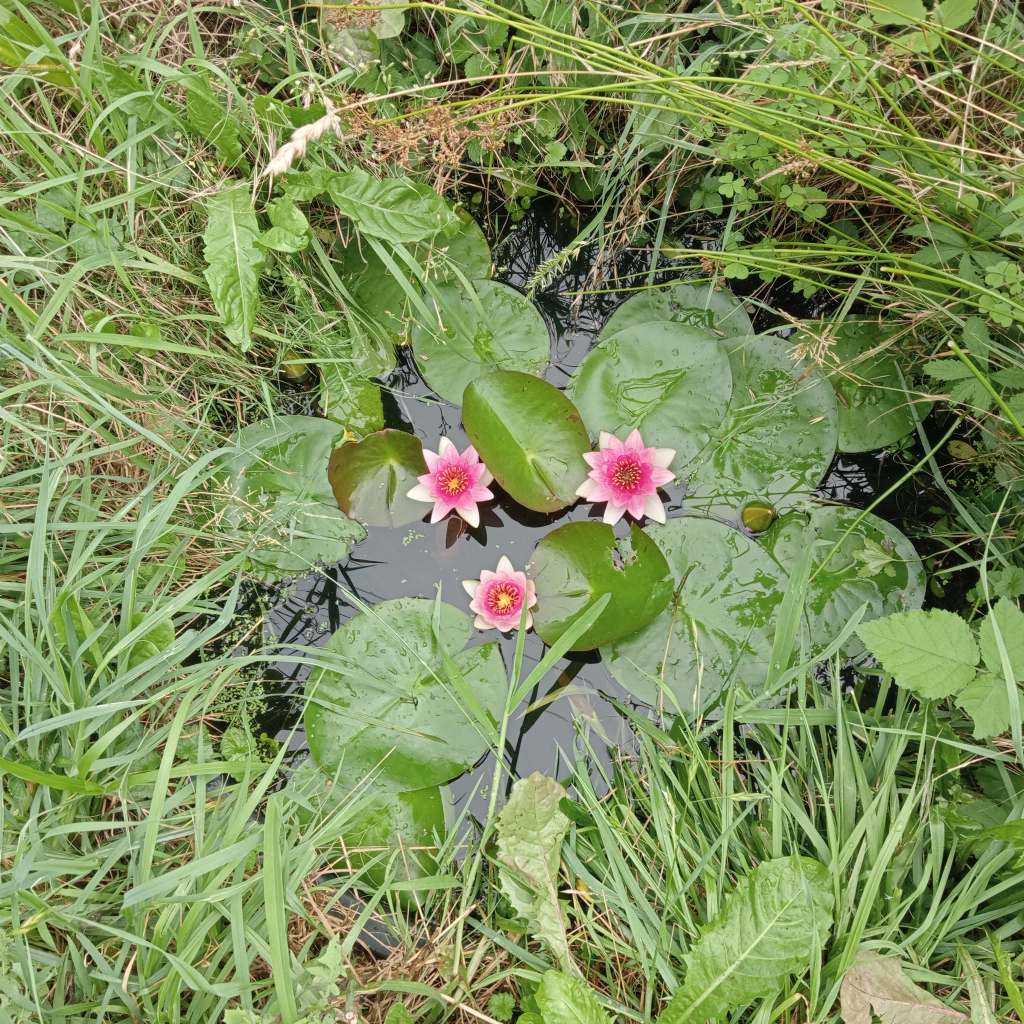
(441, 509)
(421, 492)
(654, 508)
(471, 513)
(613, 513)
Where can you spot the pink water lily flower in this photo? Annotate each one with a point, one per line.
(498, 597)
(454, 481)
(627, 476)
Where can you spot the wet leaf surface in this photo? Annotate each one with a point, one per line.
(700, 306)
(390, 826)
(778, 436)
(669, 381)
(383, 300)
(491, 327)
(874, 409)
(355, 404)
(529, 435)
(718, 627)
(579, 562)
(386, 700)
(277, 481)
(867, 562)
(371, 478)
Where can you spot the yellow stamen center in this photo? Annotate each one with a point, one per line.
(453, 480)
(626, 473)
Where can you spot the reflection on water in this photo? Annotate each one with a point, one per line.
(418, 559)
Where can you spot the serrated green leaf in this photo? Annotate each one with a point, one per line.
(398, 1014)
(564, 999)
(972, 394)
(985, 699)
(931, 653)
(947, 370)
(531, 829)
(502, 1006)
(1008, 582)
(1010, 622)
(776, 919)
(233, 261)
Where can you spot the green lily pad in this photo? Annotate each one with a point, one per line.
(698, 306)
(380, 297)
(355, 404)
(778, 436)
(874, 410)
(718, 628)
(492, 328)
(390, 829)
(670, 382)
(529, 435)
(371, 478)
(577, 563)
(462, 250)
(278, 490)
(874, 564)
(387, 702)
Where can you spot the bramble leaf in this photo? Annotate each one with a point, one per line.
(985, 699)
(1010, 622)
(932, 653)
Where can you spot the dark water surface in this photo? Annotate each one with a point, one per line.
(416, 560)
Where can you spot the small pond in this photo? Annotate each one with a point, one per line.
(415, 560)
